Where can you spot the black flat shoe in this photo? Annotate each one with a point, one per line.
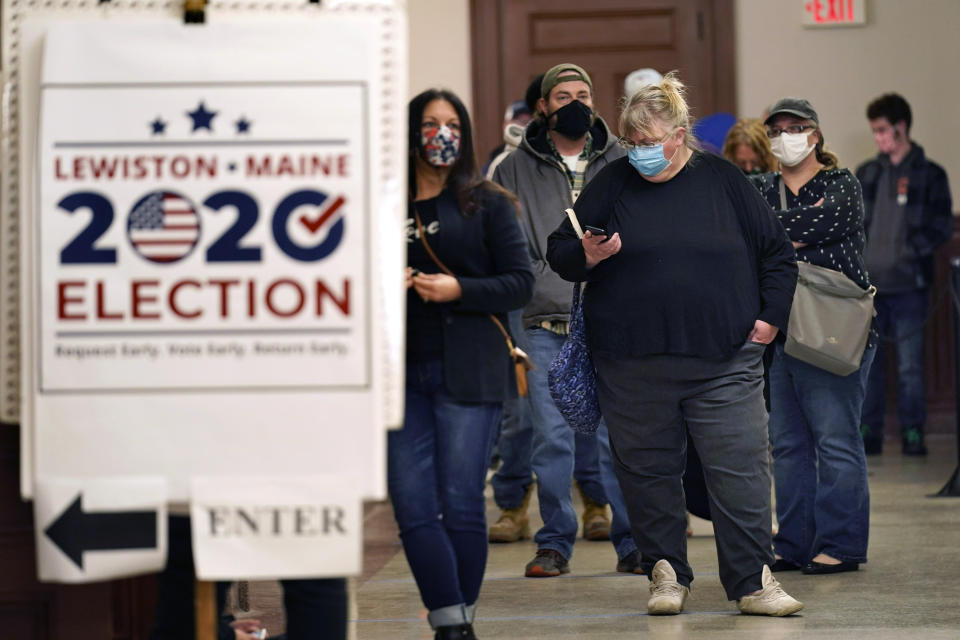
(818, 568)
(784, 565)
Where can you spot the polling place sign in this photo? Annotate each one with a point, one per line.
(215, 256)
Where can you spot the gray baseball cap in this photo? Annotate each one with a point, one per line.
(794, 107)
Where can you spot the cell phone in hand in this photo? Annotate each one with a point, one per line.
(597, 231)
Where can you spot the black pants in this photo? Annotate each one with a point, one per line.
(649, 404)
(316, 609)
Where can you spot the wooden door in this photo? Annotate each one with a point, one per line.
(516, 40)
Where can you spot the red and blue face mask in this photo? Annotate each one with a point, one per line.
(441, 145)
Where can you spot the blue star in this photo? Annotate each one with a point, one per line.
(201, 118)
(243, 125)
(158, 126)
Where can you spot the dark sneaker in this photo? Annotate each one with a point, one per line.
(456, 632)
(630, 563)
(913, 443)
(872, 440)
(872, 447)
(547, 564)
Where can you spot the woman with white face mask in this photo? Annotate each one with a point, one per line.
(686, 285)
(823, 501)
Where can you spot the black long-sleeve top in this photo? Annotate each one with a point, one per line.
(703, 258)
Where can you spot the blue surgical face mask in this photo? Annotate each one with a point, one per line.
(649, 161)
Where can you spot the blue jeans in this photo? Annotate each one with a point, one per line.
(823, 500)
(515, 445)
(515, 440)
(900, 317)
(554, 449)
(436, 474)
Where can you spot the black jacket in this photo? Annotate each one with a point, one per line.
(929, 208)
(488, 254)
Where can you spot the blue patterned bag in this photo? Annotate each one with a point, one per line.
(572, 378)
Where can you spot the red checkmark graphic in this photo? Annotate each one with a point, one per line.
(313, 225)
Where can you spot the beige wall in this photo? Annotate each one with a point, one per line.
(908, 46)
(440, 46)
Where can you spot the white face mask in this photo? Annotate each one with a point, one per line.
(791, 148)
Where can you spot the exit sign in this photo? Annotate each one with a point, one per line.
(834, 13)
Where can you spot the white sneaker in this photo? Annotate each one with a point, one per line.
(666, 594)
(772, 600)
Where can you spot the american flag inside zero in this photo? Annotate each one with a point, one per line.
(163, 227)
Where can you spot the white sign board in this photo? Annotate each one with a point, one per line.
(203, 237)
(216, 259)
(293, 528)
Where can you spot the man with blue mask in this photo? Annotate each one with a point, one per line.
(562, 149)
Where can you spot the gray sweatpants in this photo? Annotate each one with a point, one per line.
(648, 404)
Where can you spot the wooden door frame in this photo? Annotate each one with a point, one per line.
(486, 66)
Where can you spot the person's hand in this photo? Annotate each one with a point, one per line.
(437, 287)
(798, 245)
(599, 248)
(409, 276)
(763, 332)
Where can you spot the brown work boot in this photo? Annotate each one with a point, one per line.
(596, 522)
(513, 524)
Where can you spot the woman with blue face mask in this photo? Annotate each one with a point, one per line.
(689, 283)
(467, 266)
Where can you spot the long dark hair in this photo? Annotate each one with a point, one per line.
(465, 178)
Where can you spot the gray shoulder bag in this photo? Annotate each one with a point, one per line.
(830, 317)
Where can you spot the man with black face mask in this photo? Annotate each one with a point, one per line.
(562, 149)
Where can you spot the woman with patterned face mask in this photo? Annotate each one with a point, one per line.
(467, 264)
(691, 280)
(823, 501)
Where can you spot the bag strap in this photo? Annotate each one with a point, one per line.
(572, 215)
(576, 223)
(426, 245)
(783, 195)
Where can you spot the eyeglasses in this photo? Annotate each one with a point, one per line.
(629, 144)
(774, 132)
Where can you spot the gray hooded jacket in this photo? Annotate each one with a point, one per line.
(540, 181)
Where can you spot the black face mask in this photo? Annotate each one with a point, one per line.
(573, 119)
(756, 171)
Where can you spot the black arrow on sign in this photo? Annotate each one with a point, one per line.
(75, 531)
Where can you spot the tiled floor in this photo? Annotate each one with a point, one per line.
(909, 589)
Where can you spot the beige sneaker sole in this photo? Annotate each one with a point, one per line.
(666, 606)
(779, 612)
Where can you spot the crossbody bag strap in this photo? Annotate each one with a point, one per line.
(576, 223)
(783, 195)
